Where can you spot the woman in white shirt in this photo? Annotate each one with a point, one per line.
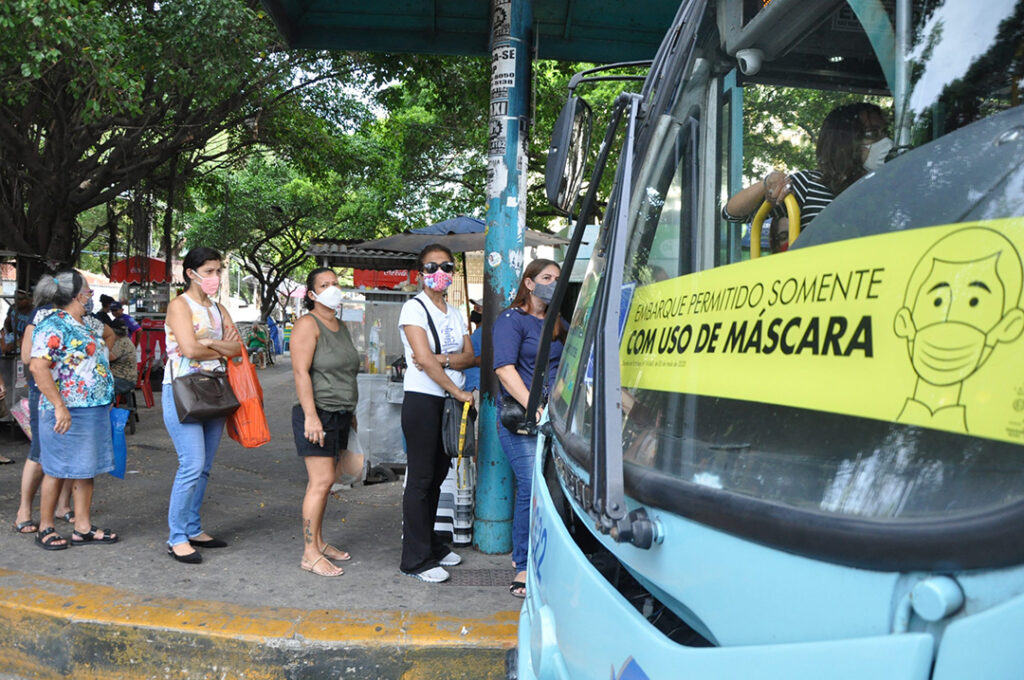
(437, 349)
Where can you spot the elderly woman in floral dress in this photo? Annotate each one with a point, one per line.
(70, 367)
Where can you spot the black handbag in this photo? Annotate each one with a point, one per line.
(451, 427)
(205, 395)
(513, 415)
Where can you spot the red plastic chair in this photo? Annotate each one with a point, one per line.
(152, 340)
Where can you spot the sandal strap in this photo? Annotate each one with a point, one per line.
(92, 530)
(48, 536)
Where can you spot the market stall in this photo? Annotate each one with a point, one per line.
(14, 277)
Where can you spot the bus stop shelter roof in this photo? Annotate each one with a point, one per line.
(568, 30)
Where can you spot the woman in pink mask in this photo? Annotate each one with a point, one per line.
(200, 336)
(437, 349)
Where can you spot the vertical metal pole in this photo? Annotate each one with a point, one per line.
(734, 92)
(899, 90)
(503, 253)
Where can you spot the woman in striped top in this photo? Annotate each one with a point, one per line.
(853, 142)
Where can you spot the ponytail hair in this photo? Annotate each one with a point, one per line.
(58, 290)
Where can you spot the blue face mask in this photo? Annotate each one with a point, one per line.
(89, 306)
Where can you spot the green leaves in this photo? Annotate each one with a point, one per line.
(97, 97)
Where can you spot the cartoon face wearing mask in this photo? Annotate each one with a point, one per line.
(958, 308)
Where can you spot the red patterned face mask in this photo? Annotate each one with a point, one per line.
(438, 281)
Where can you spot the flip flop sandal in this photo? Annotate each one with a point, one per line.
(7, 461)
(346, 557)
(311, 568)
(517, 589)
(91, 537)
(68, 516)
(47, 540)
(30, 524)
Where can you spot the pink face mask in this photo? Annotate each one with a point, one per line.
(209, 284)
(438, 281)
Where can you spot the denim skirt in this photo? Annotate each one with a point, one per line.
(84, 451)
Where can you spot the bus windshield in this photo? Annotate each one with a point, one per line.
(686, 431)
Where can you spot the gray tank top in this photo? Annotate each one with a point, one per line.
(335, 365)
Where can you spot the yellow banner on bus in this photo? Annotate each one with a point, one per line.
(924, 327)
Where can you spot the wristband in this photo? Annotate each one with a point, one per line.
(447, 360)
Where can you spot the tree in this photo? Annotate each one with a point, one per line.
(100, 99)
(435, 134)
(265, 213)
(428, 152)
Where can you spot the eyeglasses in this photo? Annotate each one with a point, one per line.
(432, 267)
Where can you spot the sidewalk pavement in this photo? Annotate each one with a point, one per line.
(128, 610)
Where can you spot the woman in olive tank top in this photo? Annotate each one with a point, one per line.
(325, 364)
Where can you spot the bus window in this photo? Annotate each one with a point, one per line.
(947, 94)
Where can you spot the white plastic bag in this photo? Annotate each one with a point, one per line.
(351, 469)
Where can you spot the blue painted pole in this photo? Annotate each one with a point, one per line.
(511, 22)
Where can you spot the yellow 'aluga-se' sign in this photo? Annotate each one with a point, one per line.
(923, 327)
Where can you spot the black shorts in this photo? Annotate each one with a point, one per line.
(336, 427)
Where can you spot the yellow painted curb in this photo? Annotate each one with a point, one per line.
(84, 602)
(56, 628)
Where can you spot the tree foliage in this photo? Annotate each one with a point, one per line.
(265, 214)
(101, 98)
(436, 127)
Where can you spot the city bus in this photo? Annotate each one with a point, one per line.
(808, 464)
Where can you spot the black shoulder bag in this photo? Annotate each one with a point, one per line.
(204, 395)
(451, 416)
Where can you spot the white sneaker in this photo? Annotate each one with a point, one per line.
(435, 575)
(450, 560)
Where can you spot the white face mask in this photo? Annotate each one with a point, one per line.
(877, 153)
(329, 297)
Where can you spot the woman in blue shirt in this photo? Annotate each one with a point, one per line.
(517, 334)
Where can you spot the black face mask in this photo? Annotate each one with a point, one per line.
(475, 317)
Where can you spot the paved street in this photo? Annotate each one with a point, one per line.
(252, 502)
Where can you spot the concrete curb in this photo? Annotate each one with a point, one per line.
(56, 628)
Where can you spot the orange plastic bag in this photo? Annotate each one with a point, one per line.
(247, 425)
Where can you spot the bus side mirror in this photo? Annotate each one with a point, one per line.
(567, 156)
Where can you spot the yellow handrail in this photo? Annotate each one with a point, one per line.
(792, 212)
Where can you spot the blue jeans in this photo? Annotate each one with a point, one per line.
(196, 444)
(520, 450)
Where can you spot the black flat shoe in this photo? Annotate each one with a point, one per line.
(191, 558)
(209, 543)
